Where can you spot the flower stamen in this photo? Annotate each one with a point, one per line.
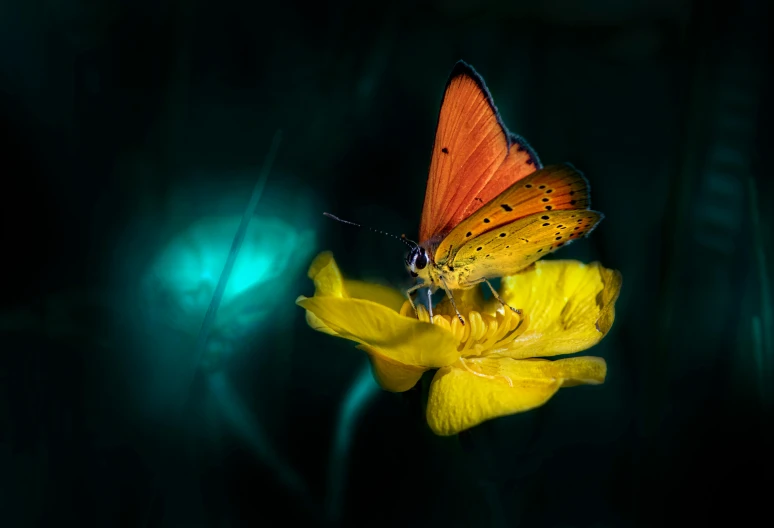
(481, 333)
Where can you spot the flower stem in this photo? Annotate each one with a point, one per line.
(362, 391)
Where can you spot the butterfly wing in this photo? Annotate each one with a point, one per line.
(474, 156)
(554, 188)
(514, 246)
(520, 162)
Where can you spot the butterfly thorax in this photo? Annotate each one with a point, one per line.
(422, 266)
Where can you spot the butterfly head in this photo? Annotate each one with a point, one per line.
(417, 262)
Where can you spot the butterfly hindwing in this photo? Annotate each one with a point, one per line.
(471, 161)
(520, 162)
(554, 188)
(514, 246)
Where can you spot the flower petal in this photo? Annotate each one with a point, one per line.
(570, 305)
(328, 281)
(326, 276)
(317, 324)
(402, 339)
(467, 394)
(606, 298)
(391, 375)
(385, 295)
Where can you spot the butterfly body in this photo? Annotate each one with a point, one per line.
(490, 208)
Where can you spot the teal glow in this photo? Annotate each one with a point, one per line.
(194, 259)
(169, 264)
(180, 283)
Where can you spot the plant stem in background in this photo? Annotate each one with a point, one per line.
(763, 325)
(217, 296)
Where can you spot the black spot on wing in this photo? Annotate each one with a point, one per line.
(445, 150)
(507, 208)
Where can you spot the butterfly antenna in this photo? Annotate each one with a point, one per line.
(402, 238)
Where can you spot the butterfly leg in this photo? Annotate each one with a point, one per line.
(430, 303)
(497, 296)
(451, 298)
(411, 301)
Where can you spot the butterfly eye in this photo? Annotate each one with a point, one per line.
(421, 260)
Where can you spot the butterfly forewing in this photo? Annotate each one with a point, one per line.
(471, 162)
(553, 188)
(514, 246)
(520, 162)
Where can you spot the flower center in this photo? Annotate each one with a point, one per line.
(482, 332)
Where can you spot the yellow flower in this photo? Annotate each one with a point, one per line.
(489, 367)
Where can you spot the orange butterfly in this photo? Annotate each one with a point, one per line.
(490, 208)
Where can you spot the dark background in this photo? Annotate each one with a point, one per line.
(124, 123)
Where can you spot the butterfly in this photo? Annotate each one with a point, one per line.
(491, 209)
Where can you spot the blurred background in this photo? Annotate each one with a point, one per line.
(135, 137)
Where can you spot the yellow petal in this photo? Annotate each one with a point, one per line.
(606, 298)
(326, 276)
(316, 323)
(570, 306)
(391, 375)
(402, 339)
(385, 295)
(328, 281)
(467, 394)
(584, 370)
